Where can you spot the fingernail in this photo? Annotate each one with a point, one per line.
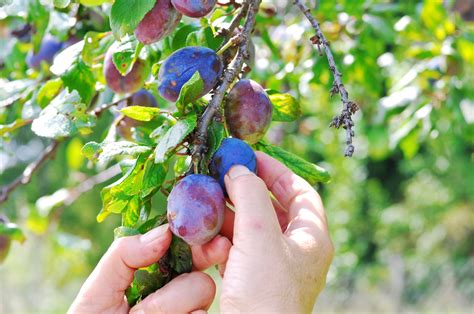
(237, 171)
(154, 234)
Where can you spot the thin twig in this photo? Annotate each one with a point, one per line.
(229, 31)
(200, 140)
(349, 107)
(26, 175)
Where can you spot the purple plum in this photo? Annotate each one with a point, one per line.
(231, 152)
(194, 8)
(248, 111)
(50, 46)
(196, 209)
(180, 67)
(129, 83)
(158, 23)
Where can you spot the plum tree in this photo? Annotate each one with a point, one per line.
(231, 152)
(158, 23)
(180, 67)
(50, 46)
(196, 209)
(248, 111)
(125, 125)
(194, 8)
(129, 83)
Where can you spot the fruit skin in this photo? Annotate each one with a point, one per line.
(248, 111)
(180, 67)
(158, 23)
(231, 152)
(50, 46)
(129, 83)
(196, 209)
(141, 98)
(194, 8)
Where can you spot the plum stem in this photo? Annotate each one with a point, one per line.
(344, 119)
(229, 75)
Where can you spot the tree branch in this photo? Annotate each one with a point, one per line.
(26, 175)
(349, 107)
(48, 153)
(230, 73)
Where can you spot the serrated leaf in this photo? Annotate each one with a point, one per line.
(105, 152)
(127, 14)
(80, 78)
(174, 136)
(126, 53)
(141, 113)
(190, 92)
(8, 128)
(64, 116)
(95, 44)
(67, 58)
(132, 212)
(12, 231)
(180, 256)
(153, 178)
(122, 231)
(285, 107)
(48, 91)
(308, 171)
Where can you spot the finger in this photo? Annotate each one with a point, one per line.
(227, 229)
(255, 218)
(304, 205)
(114, 272)
(186, 293)
(215, 252)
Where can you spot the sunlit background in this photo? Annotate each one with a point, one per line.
(401, 211)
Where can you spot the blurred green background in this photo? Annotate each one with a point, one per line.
(401, 211)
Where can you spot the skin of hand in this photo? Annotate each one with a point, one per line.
(281, 249)
(278, 260)
(104, 290)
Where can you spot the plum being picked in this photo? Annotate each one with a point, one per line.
(194, 8)
(248, 111)
(141, 98)
(231, 152)
(180, 67)
(50, 46)
(129, 83)
(196, 209)
(158, 23)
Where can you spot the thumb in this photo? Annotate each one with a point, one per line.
(255, 217)
(114, 272)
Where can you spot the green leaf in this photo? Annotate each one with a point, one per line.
(63, 117)
(105, 152)
(67, 58)
(12, 231)
(61, 3)
(148, 280)
(48, 91)
(190, 92)
(153, 178)
(8, 128)
(13, 90)
(127, 14)
(93, 3)
(181, 165)
(141, 113)
(80, 78)
(126, 53)
(179, 37)
(95, 45)
(215, 136)
(180, 256)
(174, 136)
(122, 231)
(308, 171)
(285, 107)
(132, 212)
(152, 223)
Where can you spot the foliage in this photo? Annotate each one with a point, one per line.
(399, 211)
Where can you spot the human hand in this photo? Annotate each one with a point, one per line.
(281, 249)
(104, 290)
